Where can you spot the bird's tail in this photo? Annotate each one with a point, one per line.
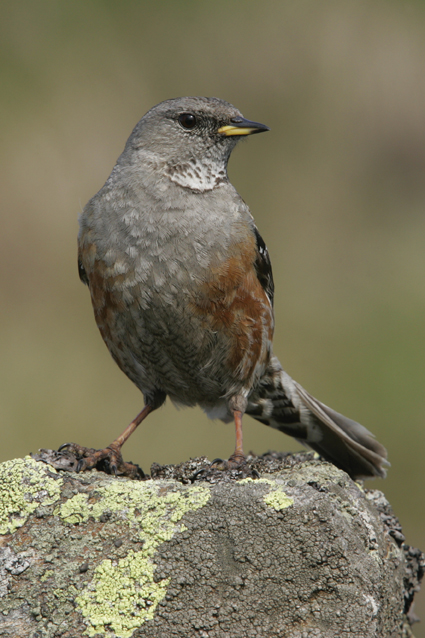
(281, 403)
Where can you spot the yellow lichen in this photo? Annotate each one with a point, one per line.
(276, 498)
(123, 594)
(24, 486)
(75, 510)
(46, 575)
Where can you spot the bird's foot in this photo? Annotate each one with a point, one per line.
(234, 462)
(108, 460)
(235, 467)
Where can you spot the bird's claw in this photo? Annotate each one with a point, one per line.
(64, 446)
(234, 462)
(80, 466)
(108, 460)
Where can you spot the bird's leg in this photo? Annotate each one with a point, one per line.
(122, 438)
(237, 461)
(110, 458)
(238, 456)
(237, 405)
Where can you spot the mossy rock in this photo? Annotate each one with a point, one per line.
(302, 551)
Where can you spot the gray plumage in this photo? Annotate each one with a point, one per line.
(182, 287)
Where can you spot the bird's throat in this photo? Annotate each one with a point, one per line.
(198, 176)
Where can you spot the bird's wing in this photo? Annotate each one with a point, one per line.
(263, 266)
(82, 273)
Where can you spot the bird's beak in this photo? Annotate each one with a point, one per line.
(241, 126)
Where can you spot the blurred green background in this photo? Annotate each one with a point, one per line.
(337, 189)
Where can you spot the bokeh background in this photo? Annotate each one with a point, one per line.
(337, 189)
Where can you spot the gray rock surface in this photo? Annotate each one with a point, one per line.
(301, 552)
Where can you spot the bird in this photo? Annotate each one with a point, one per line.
(182, 290)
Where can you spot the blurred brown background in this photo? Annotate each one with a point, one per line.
(337, 188)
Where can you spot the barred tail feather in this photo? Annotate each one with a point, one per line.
(281, 403)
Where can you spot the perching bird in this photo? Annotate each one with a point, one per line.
(182, 288)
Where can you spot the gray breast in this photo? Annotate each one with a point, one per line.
(166, 256)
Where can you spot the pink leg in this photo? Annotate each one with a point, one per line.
(110, 458)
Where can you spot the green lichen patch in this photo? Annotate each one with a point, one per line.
(46, 575)
(276, 497)
(75, 510)
(123, 594)
(24, 486)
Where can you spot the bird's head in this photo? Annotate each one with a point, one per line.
(193, 137)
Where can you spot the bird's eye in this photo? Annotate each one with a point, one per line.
(187, 120)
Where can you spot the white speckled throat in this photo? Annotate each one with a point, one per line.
(198, 175)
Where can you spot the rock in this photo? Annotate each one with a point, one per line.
(301, 551)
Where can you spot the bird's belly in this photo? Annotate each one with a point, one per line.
(177, 322)
(159, 342)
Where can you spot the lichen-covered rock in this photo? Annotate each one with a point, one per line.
(297, 553)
